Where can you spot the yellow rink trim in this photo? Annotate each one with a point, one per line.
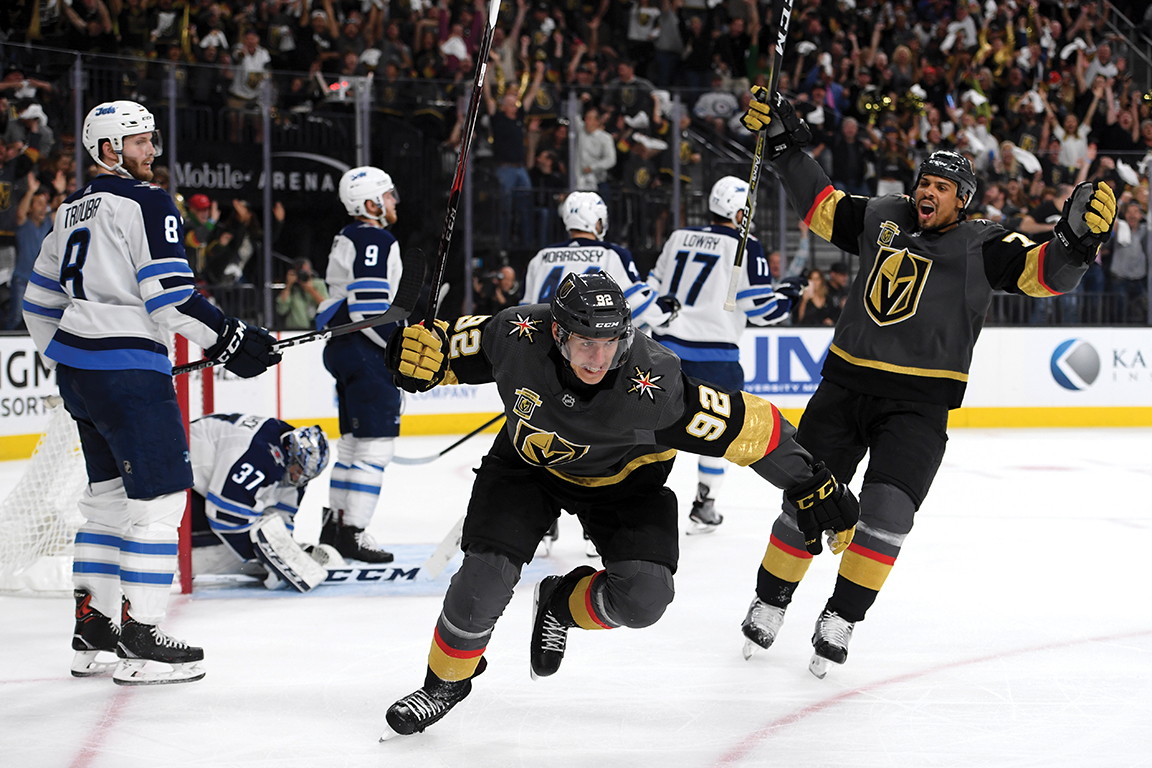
(14, 447)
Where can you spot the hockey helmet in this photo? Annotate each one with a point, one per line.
(592, 306)
(359, 185)
(306, 447)
(585, 212)
(954, 167)
(111, 122)
(729, 195)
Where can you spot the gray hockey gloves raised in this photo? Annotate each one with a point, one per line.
(784, 127)
(416, 357)
(1088, 216)
(245, 350)
(822, 504)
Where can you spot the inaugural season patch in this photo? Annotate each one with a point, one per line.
(524, 326)
(644, 382)
(545, 449)
(895, 284)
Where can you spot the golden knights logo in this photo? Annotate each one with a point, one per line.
(5, 195)
(644, 382)
(894, 285)
(526, 404)
(545, 449)
(524, 326)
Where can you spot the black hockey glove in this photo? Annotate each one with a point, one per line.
(245, 350)
(784, 128)
(822, 504)
(417, 358)
(671, 305)
(1088, 216)
(791, 287)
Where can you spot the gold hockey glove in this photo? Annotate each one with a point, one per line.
(757, 118)
(416, 357)
(1088, 216)
(783, 127)
(822, 504)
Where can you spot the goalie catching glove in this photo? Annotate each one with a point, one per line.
(245, 350)
(416, 356)
(784, 128)
(1088, 216)
(822, 504)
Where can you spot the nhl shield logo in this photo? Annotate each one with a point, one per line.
(895, 284)
(545, 449)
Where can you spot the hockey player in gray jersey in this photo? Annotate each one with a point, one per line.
(586, 218)
(250, 474)
(695, 268)
(595, 416)
(900, 355)
(110, 286)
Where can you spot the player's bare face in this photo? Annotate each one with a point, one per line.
(138, 155)
(936, 202)
(591, 358)
(294, 473)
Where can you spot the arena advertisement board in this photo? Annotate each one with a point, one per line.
(1020, 377)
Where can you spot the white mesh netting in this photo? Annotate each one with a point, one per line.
(39, 517)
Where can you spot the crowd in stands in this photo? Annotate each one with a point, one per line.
(1037, 93)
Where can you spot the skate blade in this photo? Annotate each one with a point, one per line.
(695, 528)
(390, 734)
(87, 664)
(141, 672)
(819, 665)
(750, 649)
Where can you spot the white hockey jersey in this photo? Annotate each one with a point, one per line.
(548, 267)
(238, 463)
(696, 267)
(364, 270)
(112, 282)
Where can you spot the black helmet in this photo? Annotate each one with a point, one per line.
(592, 306)
(953, 166)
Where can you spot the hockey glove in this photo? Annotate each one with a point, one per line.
(416, 357)
(245, 350)
(670, 305)
(822, 504)
(791, 287)
(1088, 216)
(784, 128)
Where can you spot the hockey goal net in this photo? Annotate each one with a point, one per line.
(39, 517)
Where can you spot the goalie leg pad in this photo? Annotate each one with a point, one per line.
(283, 557)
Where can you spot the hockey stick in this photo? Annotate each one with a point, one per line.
(426, 459)
(462, 163)
(754, 178)
(438, 560)
(411, 281)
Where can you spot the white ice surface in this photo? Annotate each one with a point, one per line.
(1015, 630)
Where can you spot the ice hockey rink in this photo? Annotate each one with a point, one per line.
(1015, 630)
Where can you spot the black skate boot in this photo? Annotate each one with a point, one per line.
(352, 543)
(330, 527)
(830, 639)
(761, 626)
(551, 621)
(426, 705)
(703, 518)
(143, 643)
(94, 634)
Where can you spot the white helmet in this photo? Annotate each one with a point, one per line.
(112, 121)
(585, 212)
(361, 184)
(729, 195)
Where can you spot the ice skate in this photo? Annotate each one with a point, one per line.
(428, 704)
(830, 639)
(95, 634)
(150, 657)
(703, 518)
(544, 548)
(350, 542)
(760, 626)
(549, 631)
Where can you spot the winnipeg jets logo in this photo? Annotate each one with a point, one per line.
(277, 454)
(644, 382)
(545, 449)
(524, 326)
(894, 285)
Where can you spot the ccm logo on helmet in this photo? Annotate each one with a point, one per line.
(606, 325)
(106, 111)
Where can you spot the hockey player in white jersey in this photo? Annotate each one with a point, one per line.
(586, 217)
(364, 270)
(696, 267)
(250, 475)
(110, 286)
